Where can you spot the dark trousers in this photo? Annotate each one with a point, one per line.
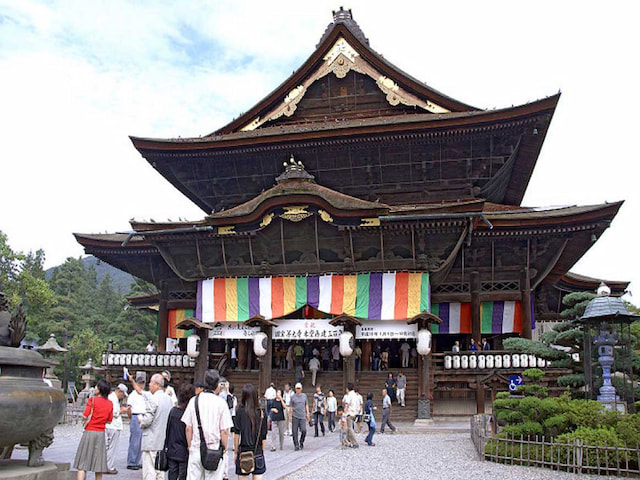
(134, 456)
(331, 421)
(386, 421)
(318, 419)
(177, 470)
(298, 424)
(369, 438)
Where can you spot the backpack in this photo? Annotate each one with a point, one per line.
(230, 399)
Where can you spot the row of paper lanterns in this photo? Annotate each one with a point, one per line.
(473, 361)
(147, 360)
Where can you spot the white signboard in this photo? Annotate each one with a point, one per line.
(385, 330)
(232, 330)
(310, 329)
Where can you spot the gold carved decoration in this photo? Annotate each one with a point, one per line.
(296, 213)
(370, 222)
(227, 230)
(325, 216)
(340, 60)
(266, 220)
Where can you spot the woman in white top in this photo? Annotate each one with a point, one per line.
(332, 406)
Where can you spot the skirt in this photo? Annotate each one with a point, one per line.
(92, 453)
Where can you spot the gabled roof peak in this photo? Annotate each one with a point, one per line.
(344, 17)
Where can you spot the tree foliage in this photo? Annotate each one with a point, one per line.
(84, 314)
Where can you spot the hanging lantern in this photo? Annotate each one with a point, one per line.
(424, 342)
(260, 344)
(193, 346)
(347, 344)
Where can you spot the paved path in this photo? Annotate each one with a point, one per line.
(442, 451)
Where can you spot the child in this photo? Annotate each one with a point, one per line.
(342, 426)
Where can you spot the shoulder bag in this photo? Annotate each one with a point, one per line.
(248, 459)
(366, 418)
(210, 459)
(162, 458)
(86, 422)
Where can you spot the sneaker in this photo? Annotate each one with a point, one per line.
(273, 449)
(296, 449)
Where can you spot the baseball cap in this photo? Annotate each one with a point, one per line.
(123, 388)
(298, 385)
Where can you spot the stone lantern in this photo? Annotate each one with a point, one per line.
(51, 348)
(603, 314)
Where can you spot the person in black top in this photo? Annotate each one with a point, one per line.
(177, 449)
(250, 431)
(277, 420)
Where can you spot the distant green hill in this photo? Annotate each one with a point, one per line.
(120, 280)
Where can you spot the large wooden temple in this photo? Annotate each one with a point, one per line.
(354, 189)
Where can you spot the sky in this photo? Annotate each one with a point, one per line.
(78, 77)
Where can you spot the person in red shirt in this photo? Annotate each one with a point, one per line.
(92, 451)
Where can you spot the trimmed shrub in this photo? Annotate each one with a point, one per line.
(526, 429)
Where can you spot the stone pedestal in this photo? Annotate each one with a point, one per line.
(18, 470)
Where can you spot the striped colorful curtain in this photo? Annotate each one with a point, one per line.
(497, 317)
(382, 296)
(175, 317)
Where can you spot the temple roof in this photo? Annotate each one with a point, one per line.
(348, 99)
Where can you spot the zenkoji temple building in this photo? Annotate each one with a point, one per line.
(355, 191)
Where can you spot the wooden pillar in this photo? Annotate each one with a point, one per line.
(163, 317)
(202, 362)
(476, 320)
(479, 395)
(242, 354)
(365, 362)
(266, 362)
(525, 292)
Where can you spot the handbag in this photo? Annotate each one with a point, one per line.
(209, 458)
(248, 459)
(86, 422)
(162, 458)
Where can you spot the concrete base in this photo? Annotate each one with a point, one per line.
(423, 422)
(18, 470)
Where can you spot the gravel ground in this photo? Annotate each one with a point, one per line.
(448, 456)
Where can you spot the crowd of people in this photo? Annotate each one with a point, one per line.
(206, 415)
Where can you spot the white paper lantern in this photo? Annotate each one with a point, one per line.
(185, 359)
(110, 359)
(193, 348)
(424, 342)
(541, 363)
(134, 359)
(506, 360)
(152, 360)
(532, 361)
(481, 361)
(498, 361)
(473, 361)
(179, 361)
(524, 360)
(490, 361)
(260, 344)
(172, 360)
(147, 360)
(347, 344)
(448, 362)
(464, 361)
(160, 361)
(127, 359)
(456, 361)
(515, 361)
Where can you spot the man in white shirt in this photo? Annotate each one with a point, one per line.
(286, 396)
(150, 347)
(353, 406)
(314, 366)
(137, 407)
(215, 421)
(154, 425)
(113, 429)
(405, 349)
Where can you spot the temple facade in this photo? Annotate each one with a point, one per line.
(354, 191)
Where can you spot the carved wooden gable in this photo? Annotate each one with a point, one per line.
(344, 85)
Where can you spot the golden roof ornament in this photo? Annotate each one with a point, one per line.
(294, 170)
